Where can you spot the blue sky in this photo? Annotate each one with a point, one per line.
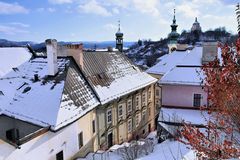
(96, 20)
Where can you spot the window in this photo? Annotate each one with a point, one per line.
(93, 126)
(80, 139)
(144, 115)
(197, 100)
(157, 92)
(120, 111)
(149, 111)
(129, 105)
(129, 125)
(109, 116)
(137, 120)
(137, 102)
(149, 94)
(59, 155)
(144, 99)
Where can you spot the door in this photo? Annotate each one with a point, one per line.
(110, 140)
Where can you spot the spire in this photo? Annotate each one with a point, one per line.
(174, 18)
(119, 26)
(196, 20)
(119, 38)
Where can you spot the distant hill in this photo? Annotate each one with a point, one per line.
(145, 53)
(41, 46)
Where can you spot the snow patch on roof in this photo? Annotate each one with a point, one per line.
(12, 57)
(42, 102)
(167, 62)
(113, 75)
(184, 76)
(196, 117)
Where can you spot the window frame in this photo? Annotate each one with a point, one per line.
(109, 116)
(137, 102)
(120, 116)
(197, 98)
(93, 126)
(129, 110)
(80, 140)
(130, 125)
(137, 120)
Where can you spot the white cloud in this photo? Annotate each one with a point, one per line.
(147, 6)
(11, 8)
(11, 30)
(40, 9)
(51, 9)
(46, 10)
(93, 7)
(115, 11)
(110, 27)
(60, 1)
(215, 21)
(19, 24)
(188, 10)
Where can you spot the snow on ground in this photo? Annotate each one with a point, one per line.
(167, 150)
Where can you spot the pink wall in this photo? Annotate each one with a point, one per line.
(176, 95)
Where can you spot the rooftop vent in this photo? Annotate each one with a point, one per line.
(36, 78)
(1, 93)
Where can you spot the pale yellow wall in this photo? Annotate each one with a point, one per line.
(119, 127)
(90, 141)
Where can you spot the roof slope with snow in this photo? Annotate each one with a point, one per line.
(183, 75)
(12, 57)
(181, 67)
(46, 101)
(113, 75)
(167, 62)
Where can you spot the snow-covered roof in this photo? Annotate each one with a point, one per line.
(49, 101)
(167, 62)
(183, 76)
(12, 57)
(181, 67)
(113, 75)
(195, 117)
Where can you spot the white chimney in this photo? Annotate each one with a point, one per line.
(51, 45)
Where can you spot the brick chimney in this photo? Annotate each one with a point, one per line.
(209, 52)
(51, 45)
(76, 51)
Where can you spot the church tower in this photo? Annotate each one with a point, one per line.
(196, 26)
(119, 39)
(173, 36)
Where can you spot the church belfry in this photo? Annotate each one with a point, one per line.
(119, 38)
(173, 36)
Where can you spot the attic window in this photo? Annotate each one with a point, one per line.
(1, 93)
(15, 69)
